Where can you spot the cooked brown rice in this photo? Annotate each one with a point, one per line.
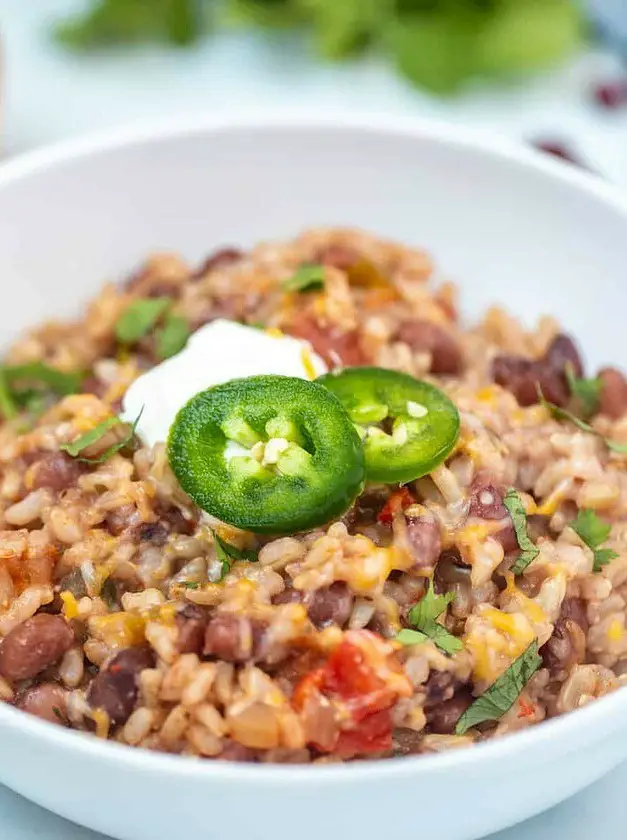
(99, 633)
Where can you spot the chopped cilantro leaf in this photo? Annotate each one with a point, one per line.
(429, 607)
(528, 551)
(593, 531)
(90, 437)
(76, 447)
(587, 392)
(139, 318)
(172, 337)
(227, 553)
(307, 278)
(563, 414)
(503, 693)
(422, 617)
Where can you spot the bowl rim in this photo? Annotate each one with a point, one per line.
(572, 730)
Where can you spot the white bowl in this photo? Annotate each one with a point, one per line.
(510, 227)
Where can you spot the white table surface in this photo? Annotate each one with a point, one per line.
(49, 96)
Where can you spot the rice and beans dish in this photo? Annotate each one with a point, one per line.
(418, 544)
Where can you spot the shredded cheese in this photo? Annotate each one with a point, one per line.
(70, 605)
(615, 631)
(488, 395)
(101, 719)
(528, 606)
(119, 630)
(551, 503)
(495, 639)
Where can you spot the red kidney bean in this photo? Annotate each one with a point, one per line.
(443, 718)
(192, 623)
(331, 605)
(523, 376)
(330, 343)
(32, 646)
(407, 742)
(565, 648)
(289, 596)
(440, 687)
(234, 639)
(427, 337)
(486, 500)
(553, 385)
(47, 701)
(115, 689)
(450, 569)
(613, 402)
(507, 536)
(575, 609)
(518, 375)
(423, 534)
(563, 352)
(529, 584)
(218, 259)
(365, 510)
(57, 471)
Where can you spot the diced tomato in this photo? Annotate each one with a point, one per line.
(349, 676)
(307, 687)
(348, 673)
(374, 734)
(362, 697)
(399, 500)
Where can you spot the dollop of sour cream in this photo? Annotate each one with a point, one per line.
(216, 353)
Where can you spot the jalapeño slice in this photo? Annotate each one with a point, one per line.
(270, 454)
(407, 426)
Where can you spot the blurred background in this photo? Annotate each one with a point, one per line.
(547, 72)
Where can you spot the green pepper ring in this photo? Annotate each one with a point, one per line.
(252, 498)
(372, 394)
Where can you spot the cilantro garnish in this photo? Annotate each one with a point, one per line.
(528, 551)
(93, 435)
(422, 617)
(587, 392)
(227, 553)
(172, 337)
(307, 278)
(139, 318)
(563, 414)
(503, 693)
(593, 531)
(25, 386)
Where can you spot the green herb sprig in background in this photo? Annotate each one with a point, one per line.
(436, 44)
